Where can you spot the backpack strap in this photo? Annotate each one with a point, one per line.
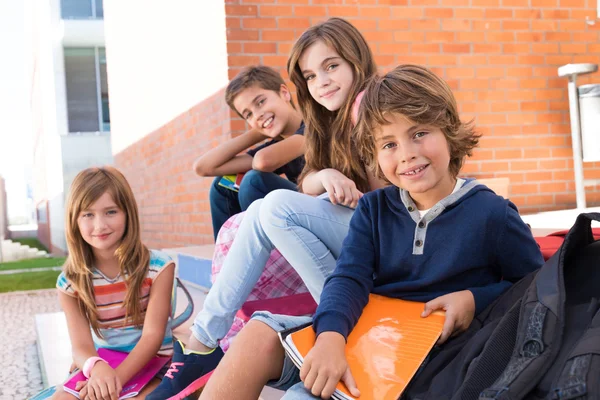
(189, 309)
(532, 347)
(573, 380)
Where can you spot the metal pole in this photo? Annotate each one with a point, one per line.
(576, 141)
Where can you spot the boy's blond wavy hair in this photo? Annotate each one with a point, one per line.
(418, 94)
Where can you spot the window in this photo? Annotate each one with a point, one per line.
(82, 9)
(87, 89)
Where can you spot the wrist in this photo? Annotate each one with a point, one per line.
(332, 337)
(89, 364)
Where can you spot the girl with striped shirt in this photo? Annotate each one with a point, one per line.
(116, 293)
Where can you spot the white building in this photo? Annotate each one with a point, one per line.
(69, 105)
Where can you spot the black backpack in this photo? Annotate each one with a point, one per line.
(547, 346)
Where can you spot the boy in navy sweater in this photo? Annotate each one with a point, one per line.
(429, 237)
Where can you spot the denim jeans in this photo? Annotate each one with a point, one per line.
(224, 203)
(307, 231)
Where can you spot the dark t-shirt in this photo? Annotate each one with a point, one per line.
(293, 168)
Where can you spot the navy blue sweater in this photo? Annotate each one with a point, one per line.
(472, 239)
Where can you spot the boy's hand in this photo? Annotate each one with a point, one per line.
(460, 310)
(341, 190)
(104, 384)
(325, 365)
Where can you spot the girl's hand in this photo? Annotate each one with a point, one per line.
(460, 311)
(325, 365)
(104, 384)
(341, 190)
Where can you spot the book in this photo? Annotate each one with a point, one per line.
(134, 386)
(384, 350)
(231, 182)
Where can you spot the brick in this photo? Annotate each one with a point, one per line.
(506, 107)
(442, 60)
(494, 166)
(425, 24)
(424, 2)
(572, 3)
(233, 23)
(499, 13)
(485, 3)
(468, 13)
(456, 48)
(530, 36)
(556, 14)
(558, 36)
(363, 24)
(273, 61)
(410, 36)
(275, 11)
(246, 10)
(393, 2)
(425, 48)
(470, 37)
(234, 47)
(374, 12)
(394, 48)
(310, 11)
(379, 36)
(544, 3)
(243, 61)
(544, 48)
(394, 24)
(343, 11)
(515, 25)
(258, 23)
(573, 48)
(261, 47)
(487, 48)
(508, 154)
(279, 35)
(293, 23)
(239, 34)
(534, 106)
(439, 12)
(408, 12)
(456, 25)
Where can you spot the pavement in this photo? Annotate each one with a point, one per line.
(20, 375)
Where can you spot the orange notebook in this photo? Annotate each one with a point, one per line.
(385, 349)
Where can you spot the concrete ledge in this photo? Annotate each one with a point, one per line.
(194, 264)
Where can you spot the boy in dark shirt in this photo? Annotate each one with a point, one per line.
(259, 95)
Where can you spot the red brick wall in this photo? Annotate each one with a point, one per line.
(499, 56)
(173, 201)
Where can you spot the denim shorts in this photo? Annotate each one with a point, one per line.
(290, 375)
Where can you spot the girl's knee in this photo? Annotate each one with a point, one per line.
(279, 205)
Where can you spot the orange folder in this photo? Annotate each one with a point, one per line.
(385, 349)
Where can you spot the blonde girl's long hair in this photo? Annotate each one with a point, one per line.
(134, 258)
(329, 134)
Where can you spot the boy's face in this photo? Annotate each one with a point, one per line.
(416, 158)
(328, 76)
(265, 110)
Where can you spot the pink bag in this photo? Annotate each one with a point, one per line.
(278, 290)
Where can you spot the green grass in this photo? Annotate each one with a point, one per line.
(31, 242)
(28, 281)
(32, 263)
